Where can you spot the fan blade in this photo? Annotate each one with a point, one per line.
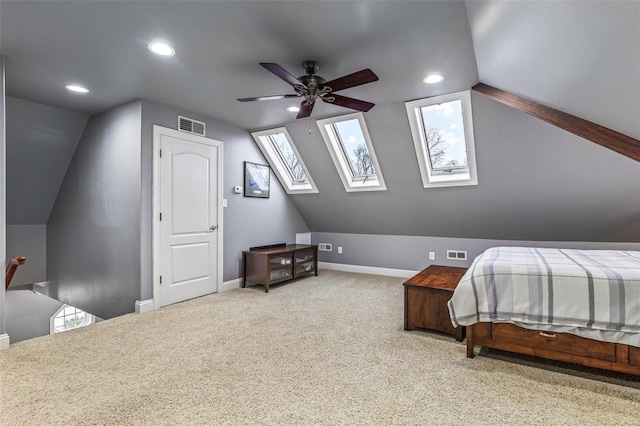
(356, 79)
(268, 98)
(348, 102)
(282, 73)
(305, 109)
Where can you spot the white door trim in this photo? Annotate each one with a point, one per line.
(157, 132)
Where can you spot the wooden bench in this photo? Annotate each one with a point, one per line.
(425, 300)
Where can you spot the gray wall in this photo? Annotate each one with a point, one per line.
(93, 234)
(412, 253)
(29, 241)
(41, 140)
(2, 194)
(536, 182)
(247, 221)
(29, 314)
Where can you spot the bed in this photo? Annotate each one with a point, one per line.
(577, 306)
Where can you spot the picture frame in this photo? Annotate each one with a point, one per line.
(256, 180)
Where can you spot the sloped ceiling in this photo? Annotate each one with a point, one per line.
(40, 143)
(581, 57)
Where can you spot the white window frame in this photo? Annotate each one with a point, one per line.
(336, 150)
(279, 168)
(435, 178)
(88, 319)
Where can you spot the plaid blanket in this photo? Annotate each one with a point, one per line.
(593, 289)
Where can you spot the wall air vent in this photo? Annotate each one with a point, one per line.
(325, 247)
(456, 255)
(191, 126)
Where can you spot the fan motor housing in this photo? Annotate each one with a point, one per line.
(312, 81)
(310, 67)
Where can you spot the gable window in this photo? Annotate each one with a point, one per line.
(284, 159)
(349, 144)
(69, 317)
(442, 131)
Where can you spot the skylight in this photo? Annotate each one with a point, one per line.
(442, 131)
(351, 150)
(284, 159)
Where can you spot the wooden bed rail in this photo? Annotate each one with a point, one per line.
(556, 346)
(11, 268)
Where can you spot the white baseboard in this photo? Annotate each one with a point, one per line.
(402, 273)
(4, 342)
(230, 285)
(144, 306)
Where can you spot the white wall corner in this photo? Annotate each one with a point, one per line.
(4, 342)
(303, 238)
(230, 285)
(374, 270)
(144, 306)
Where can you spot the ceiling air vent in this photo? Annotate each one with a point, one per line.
(191, 126)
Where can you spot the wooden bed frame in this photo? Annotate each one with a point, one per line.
(556, 346)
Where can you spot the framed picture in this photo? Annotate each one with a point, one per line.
(256, 180)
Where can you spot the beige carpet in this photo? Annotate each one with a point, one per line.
(329, 350)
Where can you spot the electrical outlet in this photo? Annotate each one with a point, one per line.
(432, 255)
(339, 250)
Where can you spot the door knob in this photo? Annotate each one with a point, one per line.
(213, 228)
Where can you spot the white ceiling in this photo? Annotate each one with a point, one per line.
(219, 44)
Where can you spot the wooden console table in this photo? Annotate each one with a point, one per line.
(274, 264)
(425, 300)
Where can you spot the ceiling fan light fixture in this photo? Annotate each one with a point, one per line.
(161, 48)
(293, 109)
(433, 78)
(76, 88)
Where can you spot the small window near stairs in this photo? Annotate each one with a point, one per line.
(69, 317)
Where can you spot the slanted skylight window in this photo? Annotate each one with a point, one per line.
(284, 159)
(69, 317)
(349, 144)
(442, 131)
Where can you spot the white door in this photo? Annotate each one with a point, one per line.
(189, 235)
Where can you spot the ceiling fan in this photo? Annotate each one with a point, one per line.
(313, 87)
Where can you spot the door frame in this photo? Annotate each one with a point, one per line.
(158, 131)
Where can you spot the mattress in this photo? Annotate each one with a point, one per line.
(591, 293)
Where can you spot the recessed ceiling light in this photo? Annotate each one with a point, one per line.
(293, 109)
(161, 48)
(433, 78)
(77, 88)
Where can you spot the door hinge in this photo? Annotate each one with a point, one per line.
(160, 279)
(160, 216)
(160, 153)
